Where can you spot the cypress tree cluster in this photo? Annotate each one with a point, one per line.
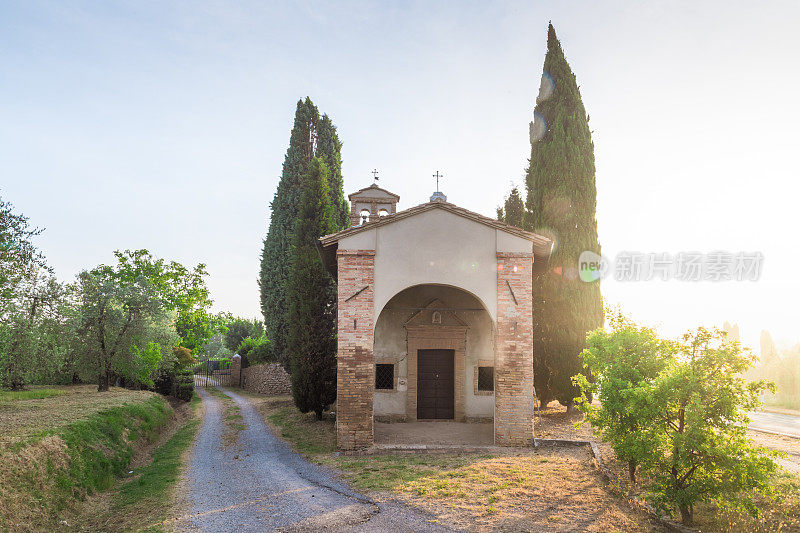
(513, 211)
(560, 203)
(312, 136)
(311, 294)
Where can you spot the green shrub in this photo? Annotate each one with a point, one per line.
(184, 386)
(256, 350)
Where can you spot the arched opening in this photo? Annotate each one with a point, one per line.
(434, 359)
(382, 212)
(364, 216)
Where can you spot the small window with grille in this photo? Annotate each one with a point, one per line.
(485, 378)
(384, 376)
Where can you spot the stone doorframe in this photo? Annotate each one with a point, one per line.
(436, 337)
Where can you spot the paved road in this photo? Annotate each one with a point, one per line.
(260, 484)
(778, 423)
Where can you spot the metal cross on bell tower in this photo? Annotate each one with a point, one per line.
(438, 196)
(375, 176)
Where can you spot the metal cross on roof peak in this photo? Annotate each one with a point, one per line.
(375, 175)
(437, 176)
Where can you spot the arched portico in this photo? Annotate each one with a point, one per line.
(437, 329)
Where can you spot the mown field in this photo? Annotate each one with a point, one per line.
(73, 459)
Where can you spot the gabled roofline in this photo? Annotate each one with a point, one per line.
(329, 244)
(541, 244)
(373, 187)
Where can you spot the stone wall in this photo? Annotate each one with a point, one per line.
(269, 379)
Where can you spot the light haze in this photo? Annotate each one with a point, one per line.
(164, 126)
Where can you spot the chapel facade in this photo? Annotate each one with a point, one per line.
(434, 317)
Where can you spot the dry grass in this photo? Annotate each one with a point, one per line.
(519, 490)
(551, 490)
(22, 419)
(555, 422)
(788, 445)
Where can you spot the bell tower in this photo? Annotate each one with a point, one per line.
(370, 203)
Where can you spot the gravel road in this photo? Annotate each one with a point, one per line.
(260, 484)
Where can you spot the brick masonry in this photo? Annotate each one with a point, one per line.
(355, 379)
(513, 409)
(236, 371)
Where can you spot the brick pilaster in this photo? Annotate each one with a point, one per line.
(236, 371)
(513, 411)
(355, 378)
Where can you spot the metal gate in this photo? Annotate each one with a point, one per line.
(213, 372)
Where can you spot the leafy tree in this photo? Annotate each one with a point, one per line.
(215, 347)
(311, 294)
(127, 306)
(239, 329)
(679, 411)
(513, 212)
(30, 302)
(276, 253)
(560, 203)
(183, 356)
(624, 362)
(19, 257)
(699, 450)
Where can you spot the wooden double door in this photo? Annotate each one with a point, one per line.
(435, 384)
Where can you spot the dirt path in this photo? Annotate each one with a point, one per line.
(260, 484)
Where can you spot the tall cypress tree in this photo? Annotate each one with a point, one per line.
(310, 292)
(513, 211)
(329, 149)
(276, 253)
(561, 202)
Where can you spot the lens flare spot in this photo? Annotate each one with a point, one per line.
(547, 86)
(538, 127)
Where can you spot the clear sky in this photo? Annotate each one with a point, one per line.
(163, 125)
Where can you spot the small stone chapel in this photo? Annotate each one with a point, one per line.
(434, 317)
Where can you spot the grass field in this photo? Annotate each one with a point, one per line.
(65, 454)
(23, 415)
(36, 393)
